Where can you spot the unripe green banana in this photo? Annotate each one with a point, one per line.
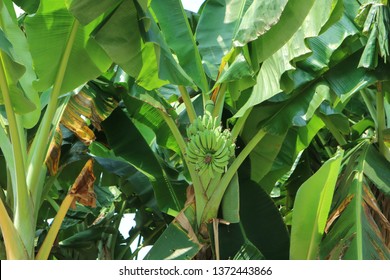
(209, 148)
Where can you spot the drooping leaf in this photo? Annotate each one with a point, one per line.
(89, 103)
(345, 80)
(82, 189)
(48, 32)
(311, 209)
(299, 110)
(290, 21)
(239, 69)
(133, 183)
(277, 119)
(276, 73)
(132, 39)
(82, 10)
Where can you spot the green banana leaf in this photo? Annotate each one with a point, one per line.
(311, 208)
(277, 72)
(51, 26)
(294, 14)
(144, 54)
(217, 25)
(178, 35)
(261, 232)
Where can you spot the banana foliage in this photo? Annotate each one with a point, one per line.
(246, 130)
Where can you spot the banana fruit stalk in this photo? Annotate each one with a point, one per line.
(209, 148)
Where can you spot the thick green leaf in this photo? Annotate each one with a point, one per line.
(238, 70)
(50, 27)
(142, 157)
(325, 46)
(277, 120)
(276, 72)
(311, 209)
(262, 222)
(356, 216)
(369, 57)
(176, 30)
(216, 28)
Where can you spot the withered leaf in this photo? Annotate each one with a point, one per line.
(82, 188)
(94, 107)
(73, 121)
(54, 153)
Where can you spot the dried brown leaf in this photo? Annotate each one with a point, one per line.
(82, 188)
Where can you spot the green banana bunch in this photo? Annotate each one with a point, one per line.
(209, 148)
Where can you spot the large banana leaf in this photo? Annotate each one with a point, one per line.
(311, 209)
(291, 19)
(353, 229)
(279, 119)
(276, 72)
(131, 37)
(215, 31)
(48, 32)
(175, 27)
(261, 232)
